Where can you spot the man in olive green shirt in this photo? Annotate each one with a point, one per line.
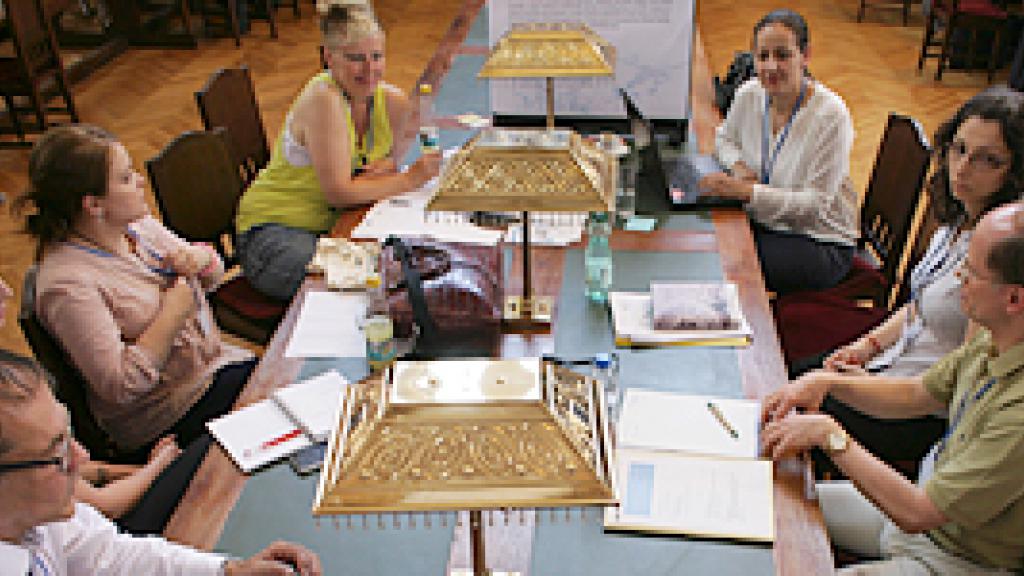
(967, 517)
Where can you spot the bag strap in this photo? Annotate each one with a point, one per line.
(414, 287)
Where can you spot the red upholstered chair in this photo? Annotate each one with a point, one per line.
(197, 186)
(969, 16)
(811, 323)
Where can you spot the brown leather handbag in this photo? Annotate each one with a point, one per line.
(452, 293)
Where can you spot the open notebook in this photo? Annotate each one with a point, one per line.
(293, 418)
(688, 465)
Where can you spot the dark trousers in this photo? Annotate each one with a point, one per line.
(150, 515)
(217, 401)
(900, 443)
(794, 262)
(154, 509)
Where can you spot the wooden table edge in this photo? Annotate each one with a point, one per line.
(801, 544)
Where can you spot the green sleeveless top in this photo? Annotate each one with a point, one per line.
(286, 194)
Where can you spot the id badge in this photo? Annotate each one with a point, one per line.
(204, 314)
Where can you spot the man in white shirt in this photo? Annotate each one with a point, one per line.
(44, 532)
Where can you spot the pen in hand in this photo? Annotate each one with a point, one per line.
(717, 413)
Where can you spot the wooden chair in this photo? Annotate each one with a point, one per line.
(197, 188)
(904, 4)
(970, 17)
(264, 10)
(34, 74)
(221, 17)
(229, 101)
(70, 385)
(814, 322)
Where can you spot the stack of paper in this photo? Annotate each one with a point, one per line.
(688, 465)
(550, 230)
(633, 320)
(291, 419)
(406, 216)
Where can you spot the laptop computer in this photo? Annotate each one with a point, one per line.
(664, 184)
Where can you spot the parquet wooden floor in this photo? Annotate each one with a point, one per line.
(146, 96)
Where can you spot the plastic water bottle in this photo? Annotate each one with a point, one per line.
(606, 372)
(430, 134)
(598, 257)
(625, 198)
(379, 331)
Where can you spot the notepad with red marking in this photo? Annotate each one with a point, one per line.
(257, 435)
(291, 419)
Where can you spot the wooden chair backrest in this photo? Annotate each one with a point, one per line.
(197, 187)
(894, 193)
(228, 100)
(34, 41)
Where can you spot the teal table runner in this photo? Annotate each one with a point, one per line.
(276, 504)
(582, 329)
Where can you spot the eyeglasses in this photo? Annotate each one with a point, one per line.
(62, 459)
(957, 150)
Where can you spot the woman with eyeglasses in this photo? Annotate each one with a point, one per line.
(338, 149)
(786, 144)
(979, 165)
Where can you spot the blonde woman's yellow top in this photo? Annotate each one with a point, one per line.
(287, 191)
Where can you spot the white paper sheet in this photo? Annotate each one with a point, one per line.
(670, 421)
(675, 493)
(405, 216)
(550, 230)
(329, 327)
(313, 403)
(257, 435)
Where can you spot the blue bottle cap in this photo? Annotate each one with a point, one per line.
(603, 360)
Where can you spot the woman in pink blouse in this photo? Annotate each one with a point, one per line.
(124, 296)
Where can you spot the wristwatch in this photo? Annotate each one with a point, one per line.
(837, 441)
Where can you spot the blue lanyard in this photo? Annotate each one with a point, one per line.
(163, 271)
(963, 408)
(930, 268)
(37, 560)
(768, 162)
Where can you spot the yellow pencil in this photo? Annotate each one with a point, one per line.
(717, 413)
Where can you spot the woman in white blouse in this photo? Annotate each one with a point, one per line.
(786, 143)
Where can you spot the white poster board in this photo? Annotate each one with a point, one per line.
(653, 41)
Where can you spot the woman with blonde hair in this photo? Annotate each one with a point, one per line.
(341, 139)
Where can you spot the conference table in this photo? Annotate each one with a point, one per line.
(225, 510)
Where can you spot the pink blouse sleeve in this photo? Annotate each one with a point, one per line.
(164, 241)
(76, 313)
